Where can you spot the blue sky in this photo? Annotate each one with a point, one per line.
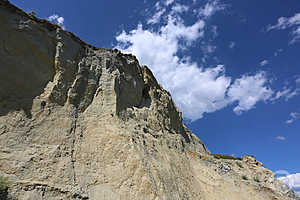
(232, 67)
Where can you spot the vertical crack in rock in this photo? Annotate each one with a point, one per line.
(73, 135)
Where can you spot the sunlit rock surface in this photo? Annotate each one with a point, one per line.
(79, 122)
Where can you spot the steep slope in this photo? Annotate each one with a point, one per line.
(79, 122)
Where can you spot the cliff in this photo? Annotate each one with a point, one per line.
(80, 122)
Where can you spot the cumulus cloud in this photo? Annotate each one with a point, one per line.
(263, 63)
(293, 181)
(293, 117)
(195, 89)
(248, 90)
(282, 138)
(288, 22)
(57, 20)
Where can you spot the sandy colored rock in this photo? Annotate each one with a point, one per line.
(79, 122)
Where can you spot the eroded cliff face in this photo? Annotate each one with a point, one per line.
(79, 122)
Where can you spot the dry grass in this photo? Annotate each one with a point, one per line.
(193, 154)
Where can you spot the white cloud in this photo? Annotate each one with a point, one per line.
(169, 2)
(293, 117)
(263, 63)
(248, 90)
(208, 49)
(231, 45)
(277, 52)
(161, 8)
(298, 80)
(179, 8)
(214, 30)
(287, 93)
(157, 17)
(184, 79)
(57, 20)
(280, 138)
(196, 90)
(211, 8)
(291, 22)
(293, 181)
(60, 20)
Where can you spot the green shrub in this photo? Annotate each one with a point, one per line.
(239, 164)
(244, 177)
(256, 179)
(221, 156)
(4, 183)
(249, 155)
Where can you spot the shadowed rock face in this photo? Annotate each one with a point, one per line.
(27, 64)
(79, 122)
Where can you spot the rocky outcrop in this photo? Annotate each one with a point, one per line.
(79, 122)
